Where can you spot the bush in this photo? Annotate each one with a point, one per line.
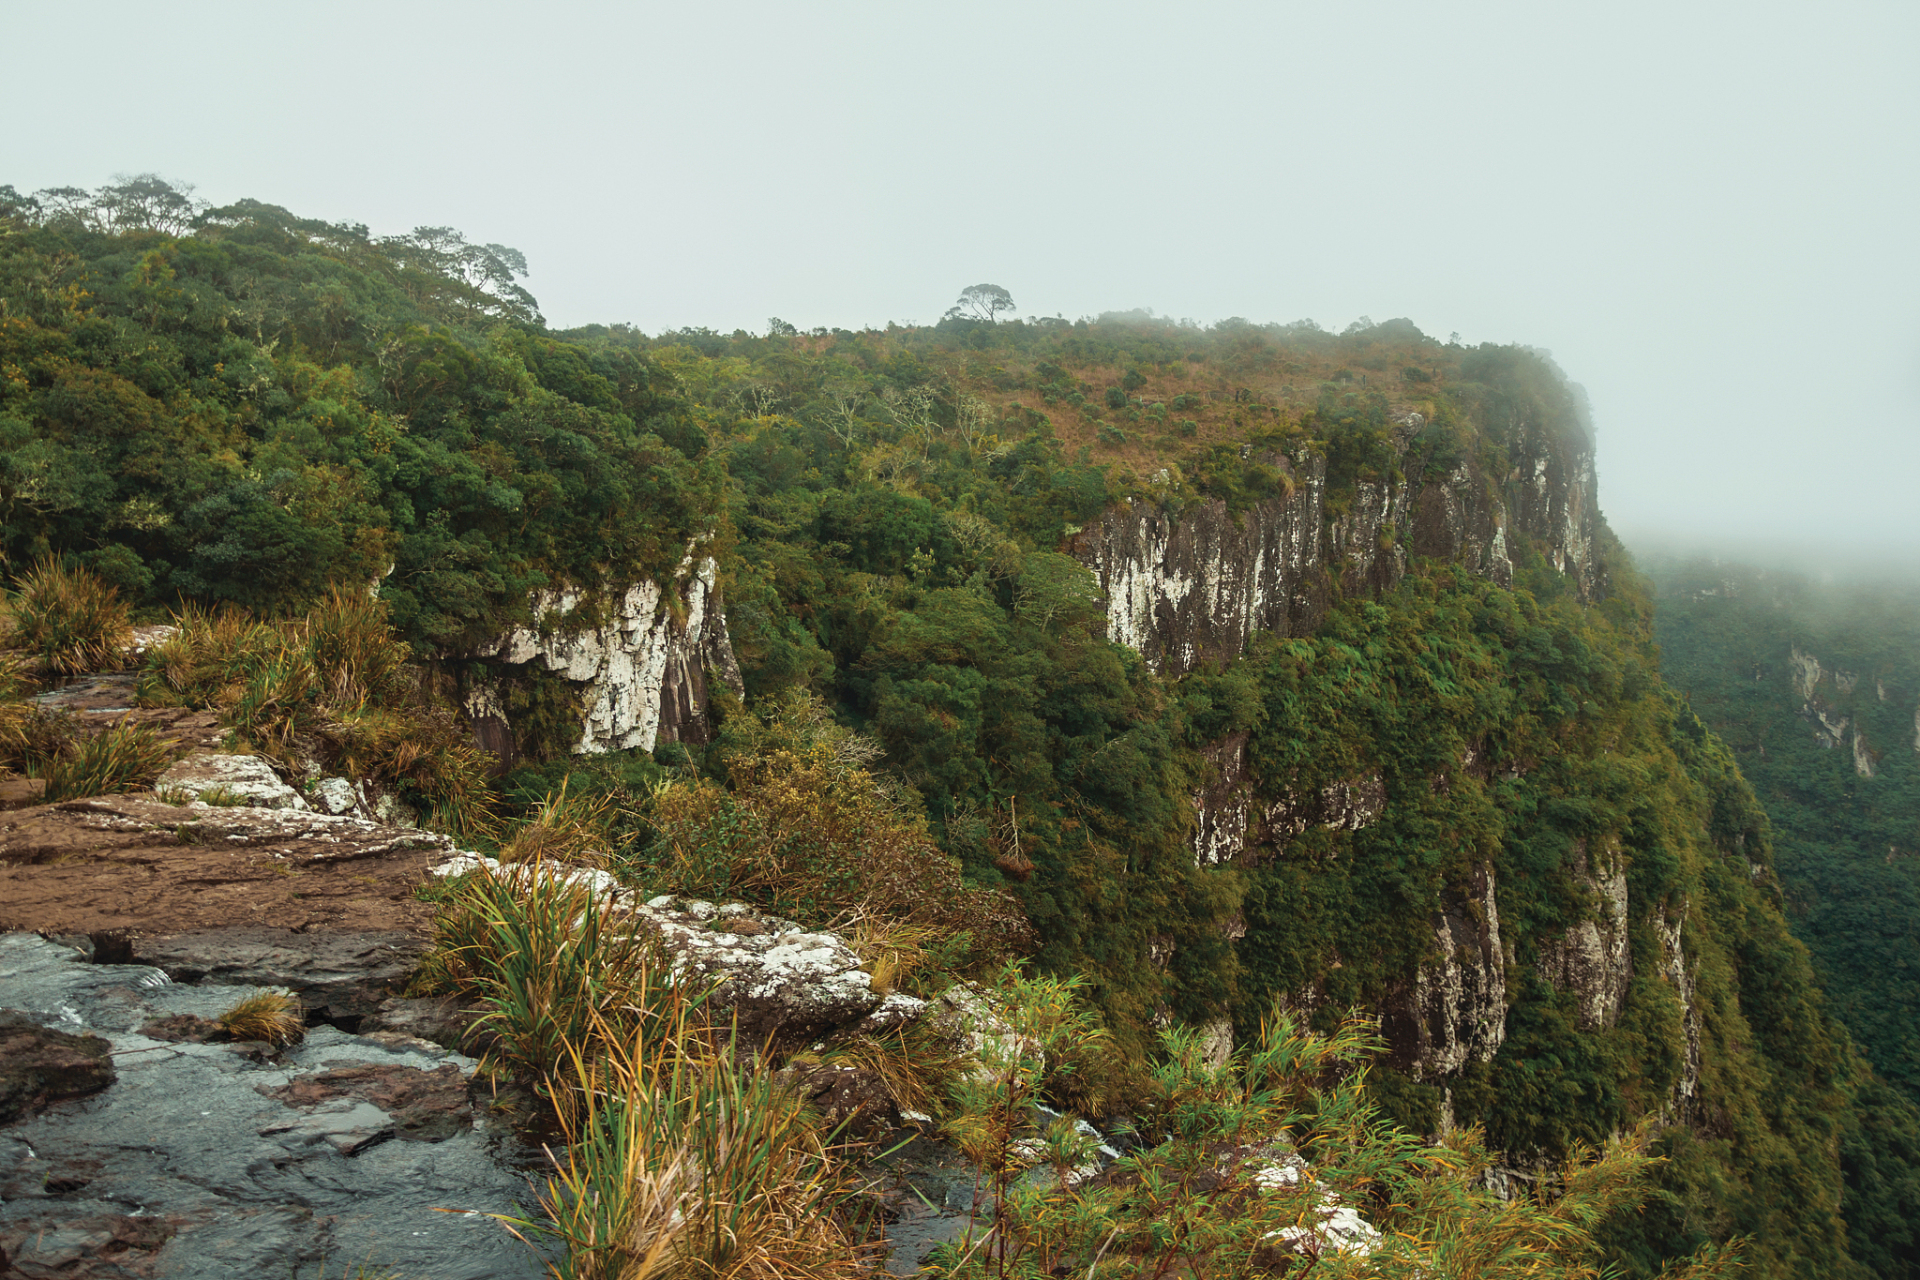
(333, 684)
(1116, 398)
(679, 1163)
(71, 619)
(547, 961)
(807, 832)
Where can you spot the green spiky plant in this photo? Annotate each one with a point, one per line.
(71, 619)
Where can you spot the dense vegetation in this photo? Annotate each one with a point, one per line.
(1737, 641)
(240, 405)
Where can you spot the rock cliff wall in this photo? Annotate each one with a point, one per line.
(1194, 588)
(640, 660)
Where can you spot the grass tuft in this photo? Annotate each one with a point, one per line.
(334, 684)
(272, 1016)
(124, 757)
(72, 620)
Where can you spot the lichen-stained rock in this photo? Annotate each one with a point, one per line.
(1195, 588)
(233, 780)
(1455, 1009)
(1592, 958)
(780, 982)
(131, 865)
(40, 1065)
(1223, 804)
(640, 656)
(1670, 923)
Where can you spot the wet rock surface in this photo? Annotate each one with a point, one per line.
(39, 1065)
(222, 1160)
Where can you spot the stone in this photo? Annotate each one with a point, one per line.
(1454, 1011)
(231, 780)
(782, 983)
(441, 1020)
(334, 795)
(340, 977)
(125, 865)
(41, 1065)
(1195, 588)
(1592, 958)
(21, 793)
(339, 1152)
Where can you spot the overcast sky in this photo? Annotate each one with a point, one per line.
(1705, 211)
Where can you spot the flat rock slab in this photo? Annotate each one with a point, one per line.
(133, 865)
(341, 977)
(200, 1163)
(39, 1065)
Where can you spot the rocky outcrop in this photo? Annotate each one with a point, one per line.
(1194, 587)
(1454, 1011)
(1821, 691)
(39, 1065)
(227, 780)
(1670, 923)
(1592, 959)
(640, 657)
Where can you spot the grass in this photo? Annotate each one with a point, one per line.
(124, 757)
(333, 684)
(70, 619)
(679, 1163)
(571, 828)
(272, 1016)
(547, 960)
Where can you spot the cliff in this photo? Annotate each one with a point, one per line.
(1193, 588)
(636, 664)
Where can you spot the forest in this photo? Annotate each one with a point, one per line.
(239, 406)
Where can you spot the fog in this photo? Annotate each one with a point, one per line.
(1706, 212)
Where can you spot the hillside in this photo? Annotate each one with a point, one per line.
(1262, 668)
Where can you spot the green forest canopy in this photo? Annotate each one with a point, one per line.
(238, 404)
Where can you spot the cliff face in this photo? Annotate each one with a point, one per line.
(639, 662)
(1193, 589)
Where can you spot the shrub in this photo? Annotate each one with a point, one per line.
(124, 757)
(807, 832)
(1116, 398)
(70, 618)
(335, 684)
(571, 827)
(546, 959)
(272, 1016)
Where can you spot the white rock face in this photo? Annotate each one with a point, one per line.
(643, 667)
(334, 795)
(247, 781)
(1671, 925)
(1592, 959)
(1458, 1008)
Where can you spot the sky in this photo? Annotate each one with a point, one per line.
(1705, 211)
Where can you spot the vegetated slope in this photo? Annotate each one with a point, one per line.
(1816, 689)
(242, 405)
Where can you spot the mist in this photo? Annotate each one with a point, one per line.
(1704, 213)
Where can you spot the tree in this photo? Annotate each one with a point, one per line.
(981, 302)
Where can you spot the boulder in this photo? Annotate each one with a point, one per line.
(780, 982)
(229, 780)
(39, 1065)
